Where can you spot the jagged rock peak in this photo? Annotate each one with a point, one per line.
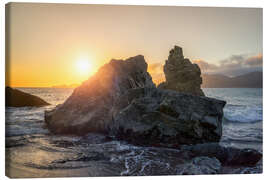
(177, 52)
(181, 75)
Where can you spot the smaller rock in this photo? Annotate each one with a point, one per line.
(200, 165)
(228, 156)
(258, 169)
(243, 157)
(16, 98)
(181, 75)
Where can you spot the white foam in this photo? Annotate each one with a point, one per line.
(244, 114)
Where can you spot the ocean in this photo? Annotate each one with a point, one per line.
(32, 151)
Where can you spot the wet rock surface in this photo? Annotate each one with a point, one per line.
(151, 116)
(94, 155)
(17, 98)
(228, 156)
(181, 75)
(200, 165)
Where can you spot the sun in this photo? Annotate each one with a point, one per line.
(83, 66)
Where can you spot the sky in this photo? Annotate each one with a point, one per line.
(55, 44)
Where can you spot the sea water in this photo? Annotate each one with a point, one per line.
(243, 115)
(32, 151)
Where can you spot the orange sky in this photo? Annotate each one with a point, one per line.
(46, 41)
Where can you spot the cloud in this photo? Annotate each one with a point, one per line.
(156, 71)
(234, 61)
(155, 67)
(254, 61)
(232, 66)
(205, 66)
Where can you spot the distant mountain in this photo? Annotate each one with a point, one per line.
(249, 80)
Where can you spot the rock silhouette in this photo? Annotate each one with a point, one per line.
(88, 109)
(181, 75)
(16, 98)
(122, 101)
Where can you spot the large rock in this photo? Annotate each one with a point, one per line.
(121, 100)
(88, 108)
(16, 98)
(181, 75)
(151, 116)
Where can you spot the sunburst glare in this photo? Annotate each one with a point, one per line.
(83, 66)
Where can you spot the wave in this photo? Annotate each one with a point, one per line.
(243, 113)
(240, 120)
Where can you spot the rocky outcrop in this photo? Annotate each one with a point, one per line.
(121, 100)
(16, 98)
(88, 108)
(181, 75)
(151, 116)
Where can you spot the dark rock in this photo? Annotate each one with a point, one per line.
(181, 75)
(151, 116)
(91, 157)
(228, 156)
(246, 170)
(121, 100)
(16, 98)
(200, 165)
(88, 108)
(15, 141)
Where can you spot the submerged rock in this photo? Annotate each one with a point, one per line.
(228, 156)
(200, 165)
(181, 75)
(212, 158)
(121, 100)
(246, 170)
(16, 98)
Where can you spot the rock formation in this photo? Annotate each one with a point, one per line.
(181, 75)
(151, 116)
(121, 100)
(16, 98)
(88, 108)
